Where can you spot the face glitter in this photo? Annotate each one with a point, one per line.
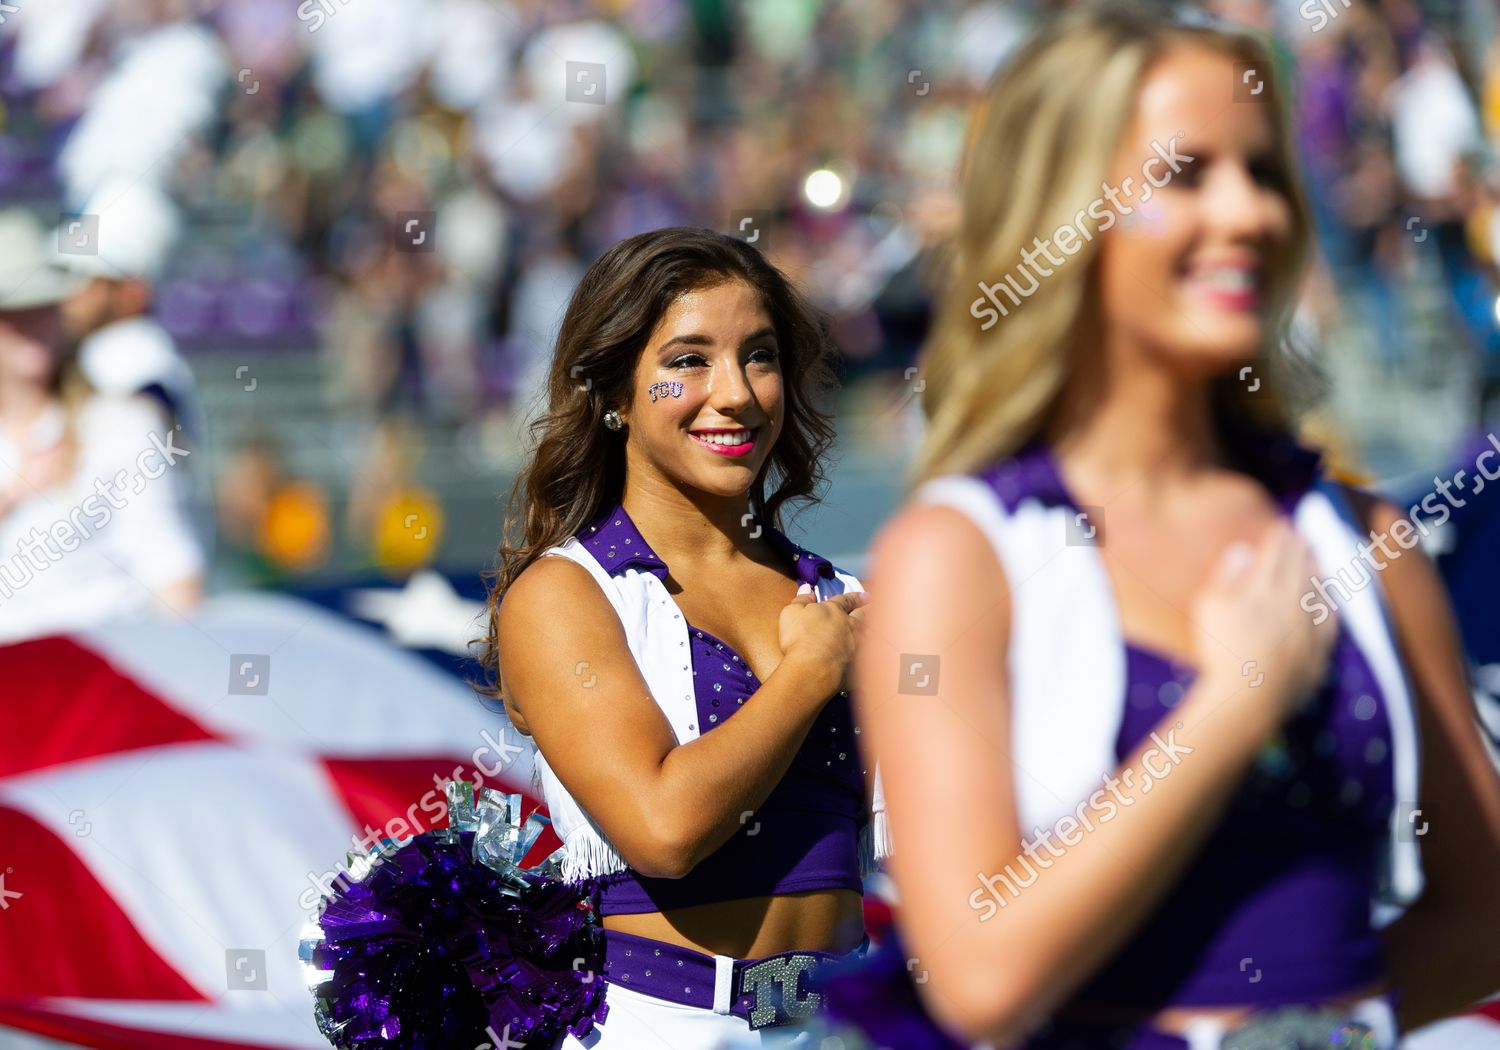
(657, 390)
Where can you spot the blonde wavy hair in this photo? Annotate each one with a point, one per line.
(1041, 144)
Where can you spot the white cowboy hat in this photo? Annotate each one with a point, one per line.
(135, 227)
(29, 272)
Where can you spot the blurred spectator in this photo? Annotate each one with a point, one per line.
(1436, 134)
(1435, 128)
(246, 485)
(274, 527)
(91, 529)
(397, 520)
(162, 87)
(122, 349)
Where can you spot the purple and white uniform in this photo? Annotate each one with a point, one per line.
(1283, 902)
(807, 835)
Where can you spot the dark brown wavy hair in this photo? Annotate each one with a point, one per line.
(576, 468)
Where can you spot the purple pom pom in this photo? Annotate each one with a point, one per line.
(433, 949)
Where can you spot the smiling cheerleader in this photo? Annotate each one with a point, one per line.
(1156, 791)
(681, 664)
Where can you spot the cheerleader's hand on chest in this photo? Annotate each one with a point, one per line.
(1251, 630)
(823, 637)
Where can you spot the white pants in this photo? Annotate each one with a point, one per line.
(644, 1022)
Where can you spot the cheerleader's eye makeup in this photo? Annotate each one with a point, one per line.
(1270, 174)
(761, 355)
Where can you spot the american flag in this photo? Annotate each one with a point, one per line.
(174, 795)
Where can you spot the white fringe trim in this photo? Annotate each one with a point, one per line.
(874, 843)
(587, 855)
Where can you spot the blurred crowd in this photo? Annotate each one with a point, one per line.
(1398, 129)
(414, 186)
(409, 190)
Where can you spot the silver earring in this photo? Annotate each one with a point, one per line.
(612, 420)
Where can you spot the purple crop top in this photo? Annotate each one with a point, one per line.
(1275, 906)
(805, 836)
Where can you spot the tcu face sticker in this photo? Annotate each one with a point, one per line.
(657, 390)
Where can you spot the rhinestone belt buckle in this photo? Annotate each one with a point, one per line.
(777, 990)
(1300, 1028)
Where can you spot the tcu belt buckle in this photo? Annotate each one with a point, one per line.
(1300, 1028)
(776, 990)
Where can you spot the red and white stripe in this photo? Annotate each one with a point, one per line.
(150, 821)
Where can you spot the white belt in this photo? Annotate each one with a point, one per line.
(723, 983)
